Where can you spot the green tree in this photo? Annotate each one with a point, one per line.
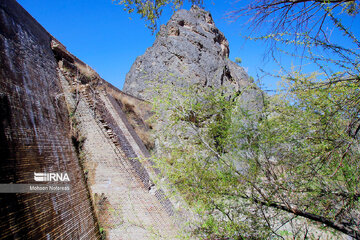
(238, 60)
(316, 32)
(292, 167)
(152, 10)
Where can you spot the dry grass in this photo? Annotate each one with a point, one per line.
(128, 106)
(137, 112)
(132, 104)
(146, 138)
(85, 74)
(85, 70)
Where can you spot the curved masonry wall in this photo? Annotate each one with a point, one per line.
(56, 118)
(35, 136)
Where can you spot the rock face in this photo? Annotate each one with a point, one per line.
(189, 49)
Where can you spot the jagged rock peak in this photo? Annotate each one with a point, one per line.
(188, 49)
(200, 22)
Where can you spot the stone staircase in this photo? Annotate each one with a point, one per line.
(126, 202)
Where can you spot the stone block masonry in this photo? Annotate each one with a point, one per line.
(35, 136)
(55, 116)
(119, 183)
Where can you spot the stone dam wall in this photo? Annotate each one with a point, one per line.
(35, 136)
(58, 115)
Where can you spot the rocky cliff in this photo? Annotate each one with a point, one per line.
(189, 48)
(58, 115)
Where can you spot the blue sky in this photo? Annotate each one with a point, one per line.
(108, 39)
(102, 35)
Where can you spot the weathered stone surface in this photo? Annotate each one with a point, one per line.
(57, 115)
(118, 182)
(35, 136)
(189, 49)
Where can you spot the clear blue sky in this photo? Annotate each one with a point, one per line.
(102, 35)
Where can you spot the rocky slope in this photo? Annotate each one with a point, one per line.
(188, 49)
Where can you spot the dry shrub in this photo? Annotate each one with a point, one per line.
(85, 70)
(131, 104)
(146, 138)
(137, 112)
(128, 105)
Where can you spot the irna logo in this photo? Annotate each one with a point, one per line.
(49, 177)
